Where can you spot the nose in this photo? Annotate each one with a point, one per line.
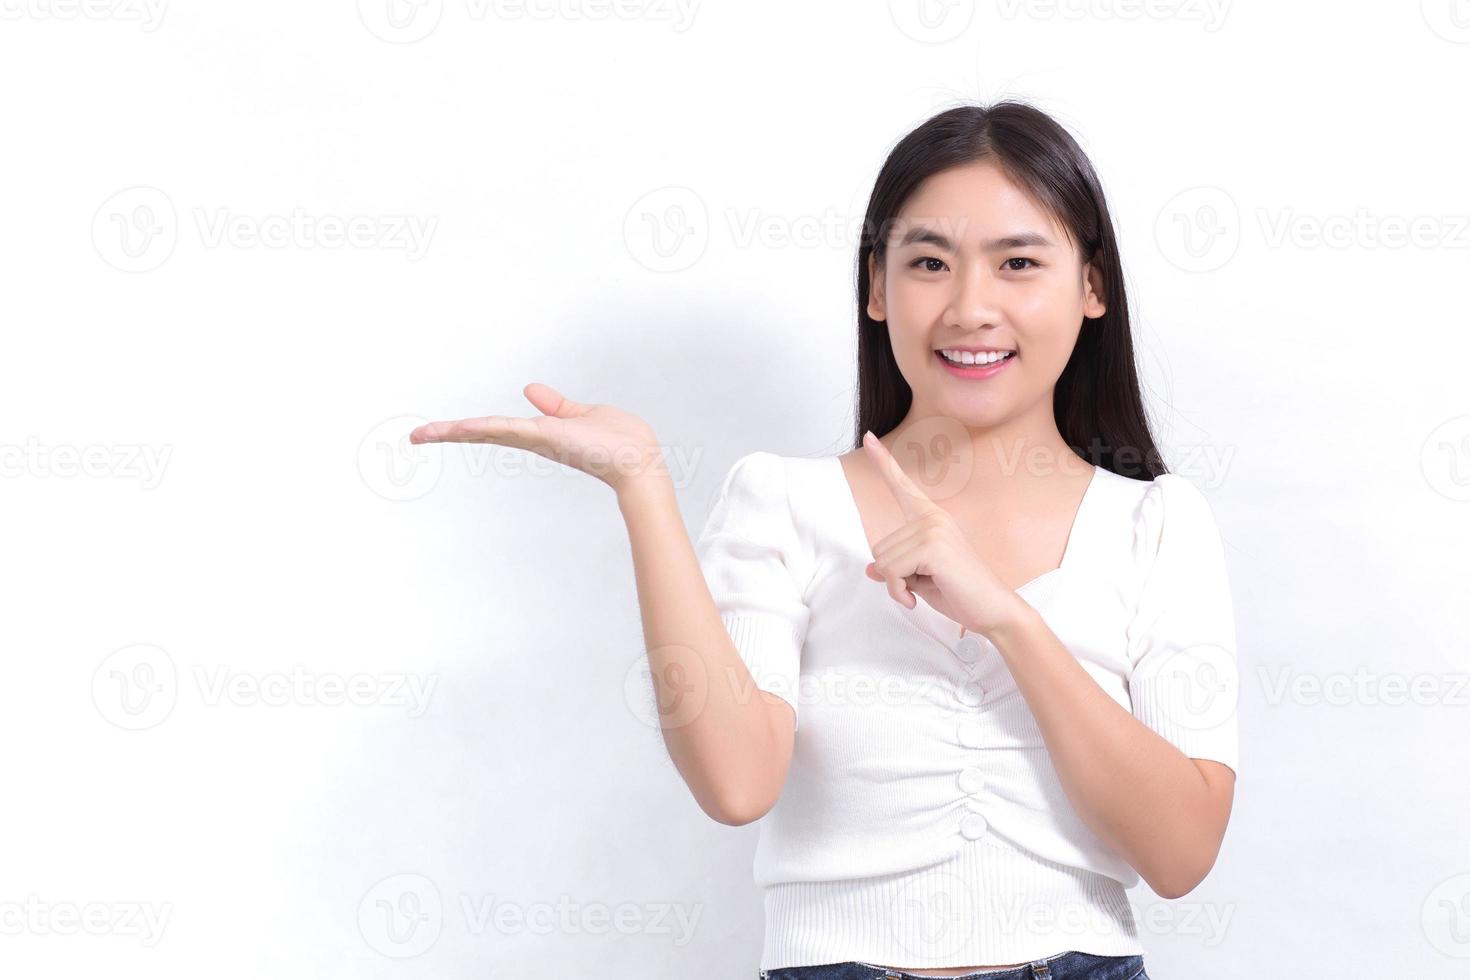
(973, 305)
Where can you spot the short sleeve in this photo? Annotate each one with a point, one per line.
(1183, 676)
(752, 561)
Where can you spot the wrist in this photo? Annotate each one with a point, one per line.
(1014, 630)
(635, 491)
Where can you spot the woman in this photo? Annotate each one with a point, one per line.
(967, 784)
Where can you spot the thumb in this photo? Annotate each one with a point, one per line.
(549, 401)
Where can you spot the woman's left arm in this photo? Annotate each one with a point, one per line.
(1162, 811)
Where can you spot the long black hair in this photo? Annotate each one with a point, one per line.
(1099, 410)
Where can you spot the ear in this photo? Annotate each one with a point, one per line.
(877, 306)
(1092, 291)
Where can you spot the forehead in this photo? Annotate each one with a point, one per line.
(975, 202)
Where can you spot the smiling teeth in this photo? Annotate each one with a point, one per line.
(965, 357)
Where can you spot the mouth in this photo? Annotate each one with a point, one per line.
(983, 364)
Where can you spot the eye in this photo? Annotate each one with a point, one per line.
(1021, 259)
(927, 258)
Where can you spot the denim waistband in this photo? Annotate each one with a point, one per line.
(1070, 965)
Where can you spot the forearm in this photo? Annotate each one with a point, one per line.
(717, 726)
(1135, 790)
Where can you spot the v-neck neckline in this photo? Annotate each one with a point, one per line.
(855, 521)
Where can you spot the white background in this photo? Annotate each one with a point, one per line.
(209, 516)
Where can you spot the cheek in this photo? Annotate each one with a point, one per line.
(902, 294)
(911, 310)
(1046, 319)
(1042, 307)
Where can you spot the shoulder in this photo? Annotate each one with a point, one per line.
(772, 477)
(755, 492)
(755, 513)
(754, 482)
(764, 493)
(757, 469)
(1173, 495)
(1172, 513)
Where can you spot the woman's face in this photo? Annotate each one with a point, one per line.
(973, 263)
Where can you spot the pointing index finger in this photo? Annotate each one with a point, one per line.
(913, 501)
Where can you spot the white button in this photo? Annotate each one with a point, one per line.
(971, 693)
(970, 736)
(973, 826)
(972, 780)
(969, 649)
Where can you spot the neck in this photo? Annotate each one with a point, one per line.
(1017, 452)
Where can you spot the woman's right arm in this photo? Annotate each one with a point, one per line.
(730, 741)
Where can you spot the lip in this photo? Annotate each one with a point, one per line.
(973, 350)
(973, 371)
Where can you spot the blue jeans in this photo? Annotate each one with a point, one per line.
(1063, 966)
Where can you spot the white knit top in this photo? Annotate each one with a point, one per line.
(922, 823)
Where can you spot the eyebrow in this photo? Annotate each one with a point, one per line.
(929, 236)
